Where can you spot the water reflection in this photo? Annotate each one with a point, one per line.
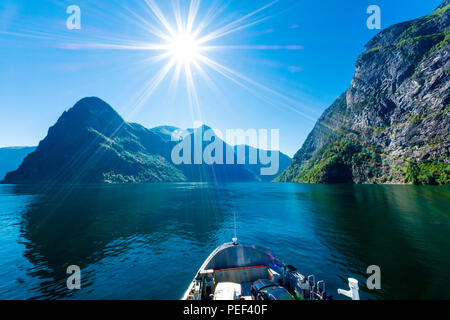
(85, 225)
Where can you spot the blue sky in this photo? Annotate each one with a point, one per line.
(43, 74)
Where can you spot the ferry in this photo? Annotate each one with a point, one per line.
(236, 271)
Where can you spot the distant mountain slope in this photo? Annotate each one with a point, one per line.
(168, 132)
(392, 124)
(207, 172)
(91, 143)
(284, 162)
(252, 171)
(11, 158)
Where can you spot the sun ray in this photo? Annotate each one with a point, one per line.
(175, 78)
(177, 15)
(148, 26)
(220, 68)
(111, 46)
(210, 16)
(193, 10)
(236, 25)
(162, 19)
(151, 86)
(253, 47)
(205, 76)
(211, 84)
(192, 95)
(265, 98)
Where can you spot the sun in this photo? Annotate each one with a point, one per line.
(187, 46)
(184, 48)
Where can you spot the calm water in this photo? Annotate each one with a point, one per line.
(148, 241)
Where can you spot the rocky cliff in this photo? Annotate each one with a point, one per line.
(392, 124)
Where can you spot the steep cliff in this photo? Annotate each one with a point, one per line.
(392, 124)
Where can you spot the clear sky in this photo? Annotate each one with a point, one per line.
(281, 67)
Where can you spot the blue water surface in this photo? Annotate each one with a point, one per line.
(147, 241)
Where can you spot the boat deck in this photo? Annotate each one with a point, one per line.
(230, 271)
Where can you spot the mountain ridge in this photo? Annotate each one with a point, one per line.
(92, 143)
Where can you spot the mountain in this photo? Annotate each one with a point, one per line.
(244, 172)
(168, 132)
(206, 172)
(392, 124)
(11, 158)
(91, 143)
(284, 162)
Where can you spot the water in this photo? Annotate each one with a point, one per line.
(147, 241)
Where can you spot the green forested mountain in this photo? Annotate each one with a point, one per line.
(91, 143)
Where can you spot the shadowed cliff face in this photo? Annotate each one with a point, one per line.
(392, 124)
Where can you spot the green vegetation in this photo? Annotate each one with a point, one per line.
(373, 50)
(440, 11)
(418, 24)
(334, 163)
(433, 173)
(436, 37)
(341, 161)
(416, 119)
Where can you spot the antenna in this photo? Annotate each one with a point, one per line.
(235, 233)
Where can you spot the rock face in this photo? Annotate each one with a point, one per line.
(392, 124)
(91, 143)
